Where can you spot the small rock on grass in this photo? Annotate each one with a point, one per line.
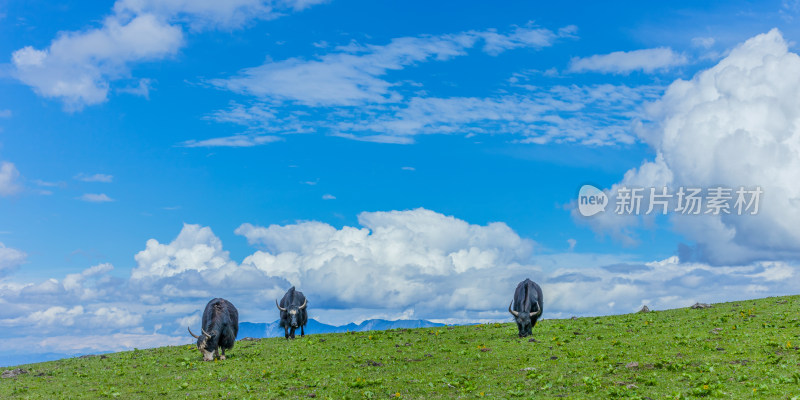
(701, 305)
(633, 364)
(644, 309)
(10, 373)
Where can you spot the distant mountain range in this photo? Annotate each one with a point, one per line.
(262, 330)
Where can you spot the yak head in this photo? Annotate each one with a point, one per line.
(525, 319)
(206, 343)
(293, 312)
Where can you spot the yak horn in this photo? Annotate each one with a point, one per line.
(305, 303)
(204, 332)
(279, 307)
(193, 335)
(514, 313)
(537, 313)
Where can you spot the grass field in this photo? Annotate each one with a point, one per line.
(746, 349)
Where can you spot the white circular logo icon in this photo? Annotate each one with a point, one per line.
(591, 200)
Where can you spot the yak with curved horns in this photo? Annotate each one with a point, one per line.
(293, 312)
(526, 306)
(219, 329)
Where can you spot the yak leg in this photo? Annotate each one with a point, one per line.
(302, 331)
(222, 356)
(291, 333)
(286, 332)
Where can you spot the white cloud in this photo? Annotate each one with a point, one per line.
(53, 316)
(195, 248)
(78, 67)
(590, 115)
(42, 183)
(328, 196)
(703, 42)
(352, 98)
(96, 198)
(76, 284)
(142, 88)
(114, 317)
(233, 141)
(95, 178)
(735, 124)
(8, 179)
(571, 242)
(389, 139)
(205, 14)
(419, 254)
(6, 113)
(353, 75)
(496, 43)
(92, 343)
(625, 62)
(10, 258)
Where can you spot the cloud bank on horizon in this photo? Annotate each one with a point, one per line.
(411, 264)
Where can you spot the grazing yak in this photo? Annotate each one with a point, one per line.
(219, 329)
(526, 306)
(293, 312)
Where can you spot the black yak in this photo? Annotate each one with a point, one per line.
(293, 312)
(219, 329)
(526, 306)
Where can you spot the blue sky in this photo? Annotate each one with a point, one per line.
(156, 154)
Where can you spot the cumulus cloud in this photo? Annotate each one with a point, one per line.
(420, 257)
(195, 266)
(76, 284)
(57, 317)
(443, 267)
(9, 176)
(78, 67)
(735, 124)
(353, 75)
(625, 62)
(196, 248)
(53, 316)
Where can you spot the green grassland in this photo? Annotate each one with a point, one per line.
(746, 349)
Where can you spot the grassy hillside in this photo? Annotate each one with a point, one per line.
(746, 349)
